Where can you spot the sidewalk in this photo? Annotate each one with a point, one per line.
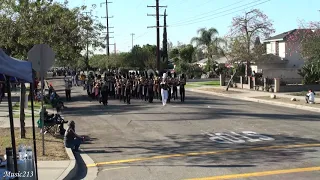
(48, 170)
(282, 99)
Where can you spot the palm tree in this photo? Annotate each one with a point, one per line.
(208, 41)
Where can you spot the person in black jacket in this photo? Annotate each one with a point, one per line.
(182, 83)
(150, 88)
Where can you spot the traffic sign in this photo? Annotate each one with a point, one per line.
(42, 58)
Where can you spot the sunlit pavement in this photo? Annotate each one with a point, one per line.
(206, 137)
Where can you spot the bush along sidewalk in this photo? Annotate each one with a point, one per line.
(37, 109)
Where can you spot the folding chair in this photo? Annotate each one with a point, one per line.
(50, 127)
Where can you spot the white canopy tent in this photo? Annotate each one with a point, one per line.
(15, 68)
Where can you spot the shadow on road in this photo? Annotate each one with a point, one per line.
(275, 151)
(199, 108)
(82, 169)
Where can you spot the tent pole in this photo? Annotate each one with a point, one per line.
(13, 139)
(34, 131)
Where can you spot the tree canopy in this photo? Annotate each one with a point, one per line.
(244, 32)
(26, 23)
(306, 40)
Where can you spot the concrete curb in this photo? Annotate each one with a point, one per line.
(260, 101)
(92, 172)
(71, 171)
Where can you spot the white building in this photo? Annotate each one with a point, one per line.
(286, 49)
(282, 59)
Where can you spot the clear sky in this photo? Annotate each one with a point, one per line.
(186, 16)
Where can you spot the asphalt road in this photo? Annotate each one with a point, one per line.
(145, 141)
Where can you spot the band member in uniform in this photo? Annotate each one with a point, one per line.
(134, 85)
(150, 88)
(169, 82)
(156, 87)
(159, 88)
(123, 87)
(145, 86)
(118, 87)
(104, 93)
(164, 89)
(143, 79)
(174, 86)
(128, 88)
(110, 83)
(182, 84)
(140, 87)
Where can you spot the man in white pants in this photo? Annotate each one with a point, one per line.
(164, 89)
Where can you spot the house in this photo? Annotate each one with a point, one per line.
(287, 50)
(282, 58)
(203, 62)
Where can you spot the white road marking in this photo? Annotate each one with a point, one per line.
(236, 138)
(115, 168)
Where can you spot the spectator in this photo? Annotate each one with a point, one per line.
(71, 138)
(68, 85)
(310, 97)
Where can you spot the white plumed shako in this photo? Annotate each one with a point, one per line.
(164, 76)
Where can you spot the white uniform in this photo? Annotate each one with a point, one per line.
(164, 91)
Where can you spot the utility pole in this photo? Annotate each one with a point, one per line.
(165, 40)
(132, 34)
(158, 30)
(108, 28)
(87, 44)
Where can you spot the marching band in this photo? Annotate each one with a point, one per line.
(146, 86)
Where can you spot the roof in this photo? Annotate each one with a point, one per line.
(220, 60)
(271, 59)
(280, 36)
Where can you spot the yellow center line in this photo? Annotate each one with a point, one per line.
(204, 153)
(259, 174)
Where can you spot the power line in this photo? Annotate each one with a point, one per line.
(214, 12)
(140, 3)
(195, 22)
(157, 6)
(141, 35)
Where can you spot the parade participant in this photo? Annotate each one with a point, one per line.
(140, 87)
(104, 93)
(97, 87)
(156, 86)
(89, 85)
(68, 85)
(175, 82)
(123, 87)
(134, 85)
(169, 82)
(143, 82)
(159, 87)
(150, 88)
(82, 78)
(145, 86)
(119, 87)
(128, 89)
(112, 83)
(164, 89)
(182, 83)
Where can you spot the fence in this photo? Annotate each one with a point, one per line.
(267, 84)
